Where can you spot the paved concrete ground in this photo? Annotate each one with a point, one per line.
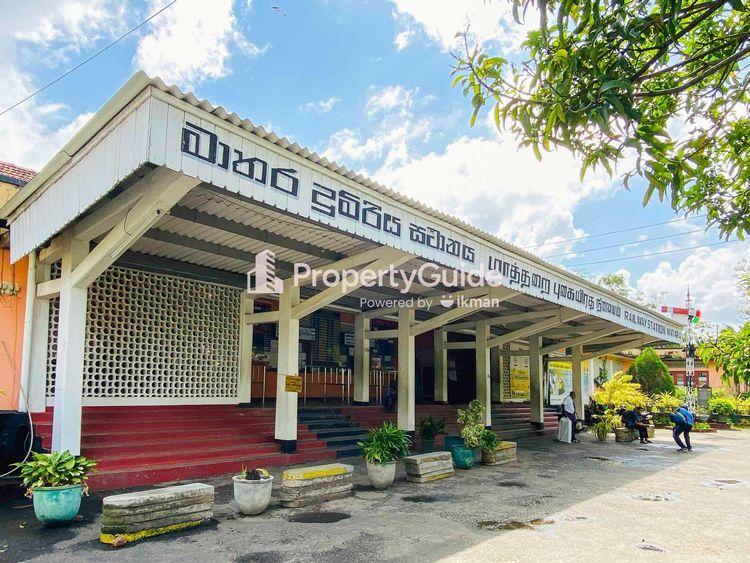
(587, 502)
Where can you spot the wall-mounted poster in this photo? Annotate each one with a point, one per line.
(559, 381)
(519, 377)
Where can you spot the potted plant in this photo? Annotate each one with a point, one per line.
(665, 402)
(722, 406)
(605, 424)
(382, 448)
(252, 490)
(428, 429)
(489, 442)
(471, 421)
(56, 481)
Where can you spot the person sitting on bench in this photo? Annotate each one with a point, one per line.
(633, 420)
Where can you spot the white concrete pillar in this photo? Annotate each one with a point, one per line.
(495, 374)
(66, 424)
(483, 369)
(361, 360)
(406, 393)
(288, 364)
(441, 366)
(576, 355)
(36, 330)
(536, 381)
(244, 388)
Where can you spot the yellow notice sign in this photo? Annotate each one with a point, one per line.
(293, 384)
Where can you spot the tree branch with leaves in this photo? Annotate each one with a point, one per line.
(608, 80)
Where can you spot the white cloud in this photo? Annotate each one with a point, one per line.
(320, 106)
(710, 274)
(53, 31)
(494, 186)
(488, 21)
(394, 127)
(192, 41)
(34, 131)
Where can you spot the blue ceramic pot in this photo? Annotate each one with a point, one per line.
(451, 441)
(53, 505)
(463, 458)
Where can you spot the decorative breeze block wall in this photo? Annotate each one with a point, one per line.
(156, 337)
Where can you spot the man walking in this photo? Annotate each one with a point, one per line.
(683, 424)
(569, 412)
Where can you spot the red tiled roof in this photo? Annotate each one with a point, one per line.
(16, 172)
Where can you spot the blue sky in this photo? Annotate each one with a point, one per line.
(366, 83)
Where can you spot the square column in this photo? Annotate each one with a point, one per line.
(244, 388)
(406, 393)
(483, 369)
(33, 390)
(576, 357)
(536, 382)
(495, 374)
(440, 366)
(361, 360)
(285, 432)
(66, 422)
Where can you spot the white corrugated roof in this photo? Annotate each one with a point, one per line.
(140, 80)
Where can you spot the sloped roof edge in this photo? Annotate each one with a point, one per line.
(140, 81)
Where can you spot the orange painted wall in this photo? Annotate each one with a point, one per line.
(12, 309)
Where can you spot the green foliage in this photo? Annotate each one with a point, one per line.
(471, 420)
(253, 474)
(385, 444)
(662, 419)
(652, 373)
(55, 469)
(620, 391)
(615, 282)
(614, 81)
(429, 427)
(605, 424)
(701, 426)
(665, 401)
(602, 377)
(722, 404)
(730, 353)
(489, 440)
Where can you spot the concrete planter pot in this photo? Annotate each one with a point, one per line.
(488, 457)
(624, 435)
(252, 497)
(477, 455)
(381, 475)
(56, 505)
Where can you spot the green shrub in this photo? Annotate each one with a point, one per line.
(471, 420)
(665, 401)
(652, 373)
(723, 405)
(56, 469)
(489, 440)
(385, 444)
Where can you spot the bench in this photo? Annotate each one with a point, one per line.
(315, 484)
(505, 453)
(625, 435)
(423, 468)
(132, 516)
